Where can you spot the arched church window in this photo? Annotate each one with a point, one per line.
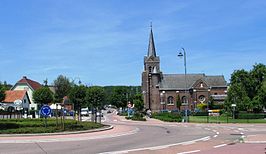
(170, 100)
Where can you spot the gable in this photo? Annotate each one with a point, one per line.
(200, 84)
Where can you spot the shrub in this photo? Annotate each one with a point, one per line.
(19, 126)
(200, 114)
(169, 117)
(250, 115)
(137, 117)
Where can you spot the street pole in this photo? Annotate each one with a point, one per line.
(185, 65)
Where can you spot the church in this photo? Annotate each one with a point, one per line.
(177, 91)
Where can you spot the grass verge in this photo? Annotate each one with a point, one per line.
(222, 119)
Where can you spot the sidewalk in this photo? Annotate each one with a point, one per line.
(258, 138)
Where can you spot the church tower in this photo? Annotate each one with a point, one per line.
(151, 76)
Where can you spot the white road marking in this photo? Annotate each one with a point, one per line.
(189, 142)
(255, 141)
(206, 139)
(155, 147)
(215, 135)
(221, 145)
(115, 120)
(159, 147)
(115, 152)
(189, 152)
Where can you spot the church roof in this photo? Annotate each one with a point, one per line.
(151, 47)
(177, 81)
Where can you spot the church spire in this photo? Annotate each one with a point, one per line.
(151, 48)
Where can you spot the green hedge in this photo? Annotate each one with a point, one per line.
(169, 117)
(200, 114)
(37, 126)
(250, 116)
(137, 117)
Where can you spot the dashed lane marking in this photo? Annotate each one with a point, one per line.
(189, 152)
(156, 147)
(215, 136)
(189, 142)
(218, 146)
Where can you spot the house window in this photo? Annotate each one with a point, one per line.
(170, 100)
(25, 101)
(201, 85)
(184, 99)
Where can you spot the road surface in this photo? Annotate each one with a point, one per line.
(152, 136)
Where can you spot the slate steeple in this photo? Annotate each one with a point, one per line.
(151, 48)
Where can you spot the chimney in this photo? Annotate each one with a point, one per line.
(24, 77)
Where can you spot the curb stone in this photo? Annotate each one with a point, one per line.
(104, 128)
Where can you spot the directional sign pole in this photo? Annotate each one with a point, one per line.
(45, 122)
(46, 111)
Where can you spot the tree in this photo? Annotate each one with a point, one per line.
(178, 102)
(247, 89)
(77, 96)
(43, 95)
(138, 102)
(62, 88)
(2, 93)
(95, 98)
(119, 97)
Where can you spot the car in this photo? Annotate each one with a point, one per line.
(84, 112)
(99, 114)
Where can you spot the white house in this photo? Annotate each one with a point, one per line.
(19, 99)
(30, 86)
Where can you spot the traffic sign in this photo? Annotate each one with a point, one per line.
(46, 110)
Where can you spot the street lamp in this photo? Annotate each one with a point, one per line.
(163, 100)
(181, 55)
(209, 90)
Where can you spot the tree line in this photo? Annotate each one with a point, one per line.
(92, 97)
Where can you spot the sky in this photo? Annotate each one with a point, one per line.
(103, 42)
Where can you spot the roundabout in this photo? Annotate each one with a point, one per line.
(152, 136)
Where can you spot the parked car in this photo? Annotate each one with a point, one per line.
(84, 112)
(99, 114)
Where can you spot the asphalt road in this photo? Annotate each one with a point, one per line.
(146, 137)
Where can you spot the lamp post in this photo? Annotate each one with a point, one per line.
(181, 55)
(163, 100)
(209, 90)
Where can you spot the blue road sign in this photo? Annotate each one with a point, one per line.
(46, 110)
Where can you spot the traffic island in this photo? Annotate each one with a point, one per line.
(41, 126)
